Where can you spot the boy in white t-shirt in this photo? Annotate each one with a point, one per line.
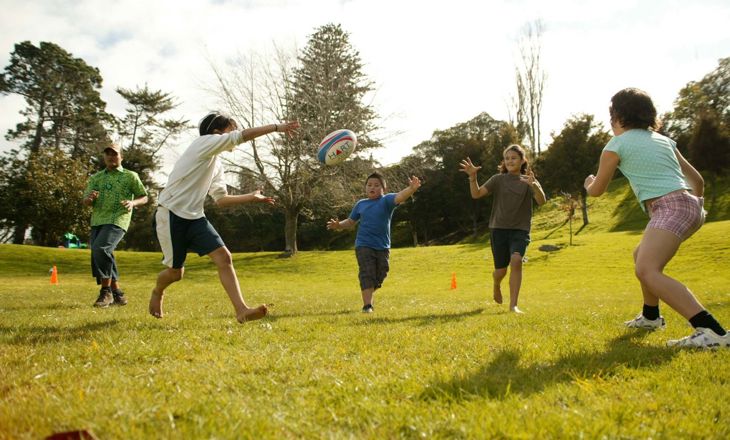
(180, 222)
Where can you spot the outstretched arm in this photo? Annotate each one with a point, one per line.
(254, 132)
(471, 170)
(597, 185)
(413, 184)
(254, 197)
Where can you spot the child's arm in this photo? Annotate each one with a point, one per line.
(333, 224)
(537, 191)
(255, 196)
(254, 132)
(597, 185)
(129, 204)
(413, 184)
(471, 170)
(694, 178)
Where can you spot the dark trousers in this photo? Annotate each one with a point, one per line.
(104, 240)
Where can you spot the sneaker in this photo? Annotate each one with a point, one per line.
(646, 324)
(105, 298)
(702, 338)
(119, 299)
(368, 309)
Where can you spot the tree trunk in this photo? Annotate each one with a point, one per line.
(19, 235)
(584, 205)
(290, 232)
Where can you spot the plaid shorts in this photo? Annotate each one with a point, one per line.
(373, 265)
(679, 212)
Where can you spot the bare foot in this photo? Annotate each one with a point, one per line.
(253, 314)
(497, 294)
(516, 310)
(156, 304)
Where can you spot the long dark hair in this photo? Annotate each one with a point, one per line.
(633, 108)
(215, 121)
(523, 155)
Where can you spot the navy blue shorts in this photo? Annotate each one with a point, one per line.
(506, 242)
(177, 235)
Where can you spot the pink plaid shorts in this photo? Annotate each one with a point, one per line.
(678, 212)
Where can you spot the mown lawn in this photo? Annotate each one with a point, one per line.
(430, 362)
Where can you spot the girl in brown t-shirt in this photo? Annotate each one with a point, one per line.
(514, 188)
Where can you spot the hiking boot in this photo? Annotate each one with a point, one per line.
(646, 324)
(119, 299)
(105, 298)
(368, 308)
(702, 338)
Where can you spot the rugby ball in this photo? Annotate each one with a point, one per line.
(336, 147)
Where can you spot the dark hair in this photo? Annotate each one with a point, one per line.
(376, 175)
(215, 121)
(523, 155)
(633, 108)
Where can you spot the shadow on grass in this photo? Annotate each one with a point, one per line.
(430, 319)
(53, 334)
(504, 375)
(52, 306)
(274, 316)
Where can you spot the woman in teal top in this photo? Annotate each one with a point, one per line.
(669, 189)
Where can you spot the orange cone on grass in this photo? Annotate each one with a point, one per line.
(54, 275)
(453, 280)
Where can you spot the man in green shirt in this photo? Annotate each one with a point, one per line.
(113, 193)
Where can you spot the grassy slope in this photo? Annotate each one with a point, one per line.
(430, 362)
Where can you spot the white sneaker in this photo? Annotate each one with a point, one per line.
(702, 338)
(647, 324)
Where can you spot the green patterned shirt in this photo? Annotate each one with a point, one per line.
(114, 186)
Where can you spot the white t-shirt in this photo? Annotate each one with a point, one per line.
(197, 173)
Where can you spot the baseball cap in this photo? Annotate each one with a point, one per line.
(114, 147)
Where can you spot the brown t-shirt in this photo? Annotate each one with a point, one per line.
(512, 202)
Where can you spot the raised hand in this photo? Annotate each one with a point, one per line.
(528, 178)
(469, 168)
(288, 127)
(414, 182)
(333, 224)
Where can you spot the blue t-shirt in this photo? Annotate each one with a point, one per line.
(374, 217)
(648, 160)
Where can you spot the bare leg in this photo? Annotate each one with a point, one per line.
(656, 249)
(649, 298)
(106, 282)
(367, 296)
(515, 281)
(164, 279)
(114, 284)
(498, 276)
(227, 274)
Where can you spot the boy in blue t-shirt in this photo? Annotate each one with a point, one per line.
(372, 244)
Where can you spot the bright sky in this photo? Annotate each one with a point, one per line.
(434, 63)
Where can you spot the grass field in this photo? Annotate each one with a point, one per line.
(429, 363)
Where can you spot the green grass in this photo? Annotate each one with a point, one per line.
(430, 362)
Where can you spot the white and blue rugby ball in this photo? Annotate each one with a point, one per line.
(336, 147)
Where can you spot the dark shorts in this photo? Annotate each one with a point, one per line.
(177, 235)
(506, 242)
(373, 265)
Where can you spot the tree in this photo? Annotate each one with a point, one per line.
(530, 82)
(709, 148)
(54, 183)
(443, 206)
(64, 110)
(325, 91)
(573, 155)
(143, 132)
(708, 98)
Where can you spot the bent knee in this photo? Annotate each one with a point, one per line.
(176, 274)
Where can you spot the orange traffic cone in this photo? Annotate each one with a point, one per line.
(54, 275)
(453, 280)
